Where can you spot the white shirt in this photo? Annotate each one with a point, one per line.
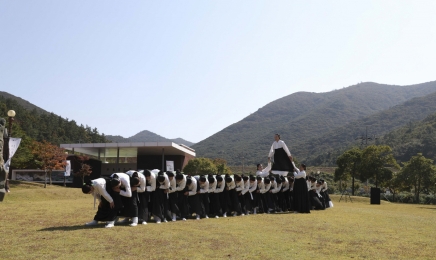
(166, 183)
(181, 184)
(246, 187)
(220, 186)
(204, 188)
(261, 186)
(277, 187)
(298, 174)
(173, 185)
(192, 188)
(239, 186)
(265, 172)
(152, 182)
(231, 185)
(99, 186)
(324, 186)
(285, 185)
(142, 181)
(125, 182)
(277, 145)
(252, 186)
(212, 186)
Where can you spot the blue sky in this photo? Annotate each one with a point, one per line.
(191, 68)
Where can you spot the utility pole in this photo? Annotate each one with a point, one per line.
(365, 138)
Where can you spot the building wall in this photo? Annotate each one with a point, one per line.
(109, 168)
(155, 161)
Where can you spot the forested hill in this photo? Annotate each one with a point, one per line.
(302, 116)
(24, 103)
(413, 138)
(147, 136)
(35, 123)
(325, 149)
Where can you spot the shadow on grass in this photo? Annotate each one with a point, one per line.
(427, 208)
(70, 228)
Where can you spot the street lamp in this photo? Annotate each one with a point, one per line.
(11, 115)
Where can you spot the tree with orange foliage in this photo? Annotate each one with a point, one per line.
(49, 157)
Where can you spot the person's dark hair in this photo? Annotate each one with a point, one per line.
(245, 178)
(170, 174)
(219, 178)
(252, 178)
(319, 182)
(272, 178)
(114, 182)
(147, 173)
(279, 181)
(211, 179)
(291, 179)
(203, 179)
(179, 176)
(278, 135)
(258, 178)
(238, 178)
(188, 181)
(304, 166)
(322, 180)
(160, 173)
(178, 171)
(228, 179)
(267, 181)
(257, 165)
(134, 181)
(135, 174)
(86, 188)
(160, 178)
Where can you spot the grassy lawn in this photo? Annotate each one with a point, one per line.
(39, 223)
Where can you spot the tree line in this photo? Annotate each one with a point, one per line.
(378, 164)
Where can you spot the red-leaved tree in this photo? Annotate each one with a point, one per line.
(49, 157)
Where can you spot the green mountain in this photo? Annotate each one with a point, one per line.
(325, 149)
(37, 124)
(301, 117)
(23, 103)
(146, 136)
(413, 138)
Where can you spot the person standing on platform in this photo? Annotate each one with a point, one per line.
(282, 159)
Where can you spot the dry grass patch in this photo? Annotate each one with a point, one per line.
(48, 223)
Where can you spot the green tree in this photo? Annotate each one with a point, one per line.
(418, 173)
(348, 165)
(374, 164)
(221, 166)
(200, 166)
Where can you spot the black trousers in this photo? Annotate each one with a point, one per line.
(204, 201)
(215, 206)
(225, 201)
(105, 212)
(194, 205)
(130, 206)
(241, 199)
(143, 205)
(156, 203)
(235, 201)
(248, 201)
(315, 201)
(172, 201)
(182, 203)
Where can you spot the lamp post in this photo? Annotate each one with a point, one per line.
(11, 115)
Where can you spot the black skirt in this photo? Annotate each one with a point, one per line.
(301, 201)
(130, 209)
(281, 161)
(105, 212)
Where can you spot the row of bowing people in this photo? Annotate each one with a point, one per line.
(139, 196)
